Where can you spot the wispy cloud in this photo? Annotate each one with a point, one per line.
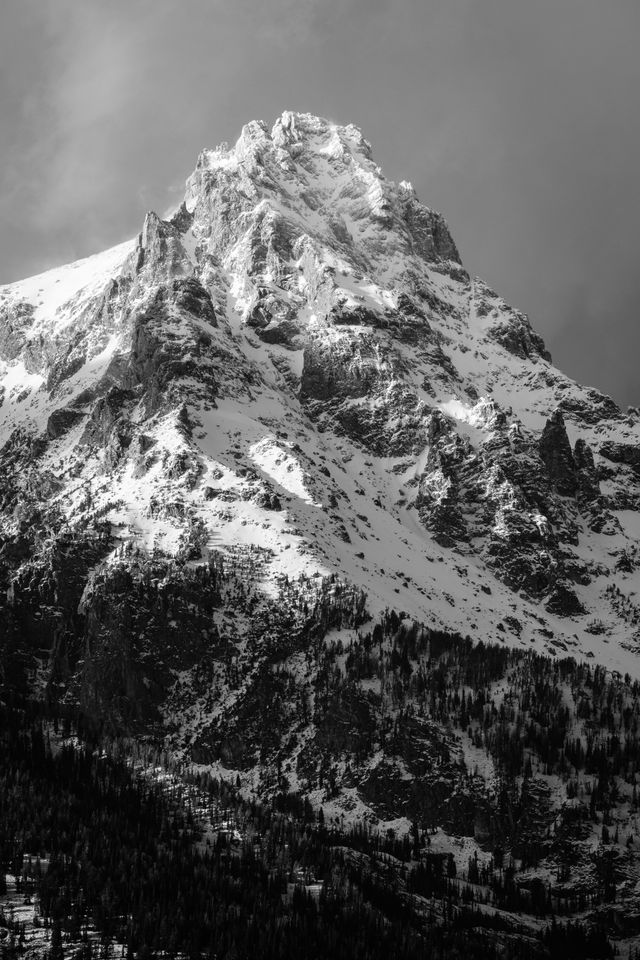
(124, 79)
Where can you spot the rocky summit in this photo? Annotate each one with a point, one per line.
(296, 368)
(285, 490)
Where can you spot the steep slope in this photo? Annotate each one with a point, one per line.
(297, 362)
(266, 465)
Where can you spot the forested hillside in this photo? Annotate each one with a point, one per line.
(521, 844)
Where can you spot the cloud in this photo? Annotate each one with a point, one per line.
(123, 81)
(66, 141)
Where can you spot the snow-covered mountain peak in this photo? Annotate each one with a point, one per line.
(297, 365)
(260, 464)
(311, 177)
(323, 136)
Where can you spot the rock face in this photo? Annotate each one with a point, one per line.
(295, 368)
(555, 451)
(267, 470)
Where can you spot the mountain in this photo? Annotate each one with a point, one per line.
(268, 465)
(297, 365)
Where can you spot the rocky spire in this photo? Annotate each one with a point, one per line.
(555, 451)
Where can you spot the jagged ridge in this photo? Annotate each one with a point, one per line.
(278, 413)
(299, 312)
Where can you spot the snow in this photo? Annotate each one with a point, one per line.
(278, 462)
(469, 419)
(55, 289)
(17, 377)
(630, 523)
(477, 761)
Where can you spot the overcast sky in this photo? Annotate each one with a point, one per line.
(517, 119)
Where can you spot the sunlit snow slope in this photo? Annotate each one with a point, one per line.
(297, 361)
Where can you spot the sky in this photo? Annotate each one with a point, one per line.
(516, 119)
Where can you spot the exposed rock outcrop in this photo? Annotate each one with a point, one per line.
(555, 451)
(297, 365)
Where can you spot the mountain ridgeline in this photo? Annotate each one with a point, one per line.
(290, 498)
